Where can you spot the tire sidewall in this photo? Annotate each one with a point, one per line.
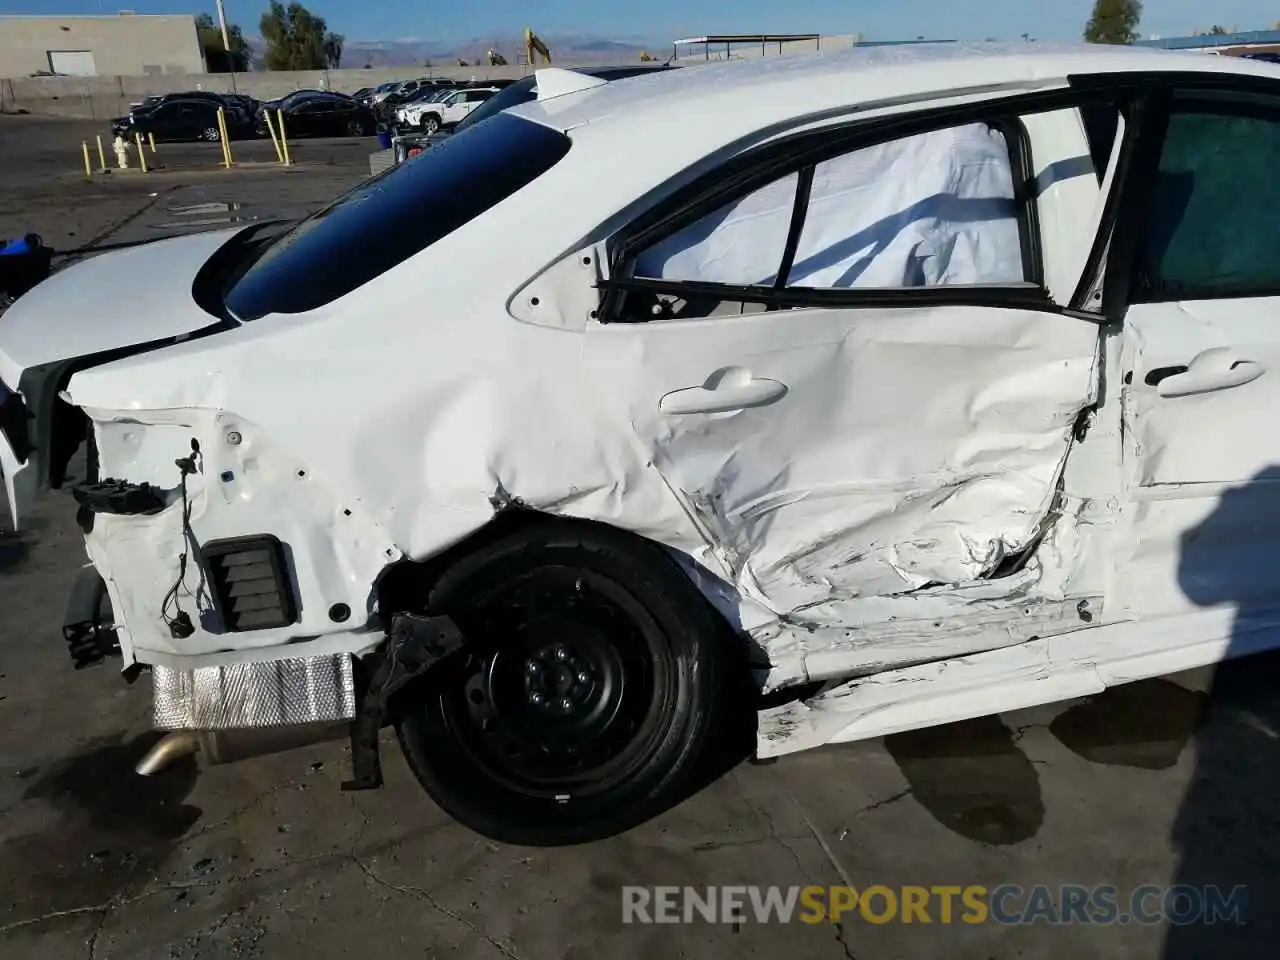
(688, 635)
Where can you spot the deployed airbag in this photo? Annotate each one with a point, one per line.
(936, 208)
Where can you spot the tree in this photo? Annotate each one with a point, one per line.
(333, 50)
(1217, 31)
(1114, 21)
(297, 39)
(215, 54)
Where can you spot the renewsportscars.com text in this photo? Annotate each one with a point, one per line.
(943, 904)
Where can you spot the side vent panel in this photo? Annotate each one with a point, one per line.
(250, 582)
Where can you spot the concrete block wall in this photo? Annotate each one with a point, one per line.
(101, 98)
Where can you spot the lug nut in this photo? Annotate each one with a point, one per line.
(584, 677)
(562, 653)
(565, 704)
(535, 698)
(532, 667)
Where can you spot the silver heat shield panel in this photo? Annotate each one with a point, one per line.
(268, 694)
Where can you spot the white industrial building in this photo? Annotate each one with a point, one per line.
(123, 44)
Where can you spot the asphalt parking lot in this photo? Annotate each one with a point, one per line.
(1165, 782)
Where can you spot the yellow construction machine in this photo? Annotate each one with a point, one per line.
(533, 44)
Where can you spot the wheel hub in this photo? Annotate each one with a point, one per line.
(560, 680)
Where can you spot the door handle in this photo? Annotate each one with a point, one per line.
(1218, 368)
(729, 388)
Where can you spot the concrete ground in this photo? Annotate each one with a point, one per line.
(1171, 781)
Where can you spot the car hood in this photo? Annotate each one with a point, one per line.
(142, 295)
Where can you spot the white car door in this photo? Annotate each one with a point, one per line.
(1201, 357)
(891, 415)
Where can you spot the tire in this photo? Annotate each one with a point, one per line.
(588, 695)
(211, 134)
(430, 124)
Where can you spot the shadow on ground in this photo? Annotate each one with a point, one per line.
(101, 828)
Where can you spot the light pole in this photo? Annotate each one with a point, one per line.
(226, 45)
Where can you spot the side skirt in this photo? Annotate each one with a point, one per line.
(1037, 672)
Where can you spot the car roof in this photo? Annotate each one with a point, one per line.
(745, 95)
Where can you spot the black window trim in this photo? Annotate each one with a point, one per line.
(1115, 244)
(1148, 95)
(754, 169)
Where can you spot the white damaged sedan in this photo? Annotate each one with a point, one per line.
(899, 386)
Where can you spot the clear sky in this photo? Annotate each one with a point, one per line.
(664, 20)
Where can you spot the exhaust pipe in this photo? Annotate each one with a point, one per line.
(227, 746)
(171, 747)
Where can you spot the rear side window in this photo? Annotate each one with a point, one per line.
(1211, 228)
(388, 219)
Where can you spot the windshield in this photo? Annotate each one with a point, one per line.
(390, 218)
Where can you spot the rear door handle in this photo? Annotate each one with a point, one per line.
(729, 388)
(1218, 368)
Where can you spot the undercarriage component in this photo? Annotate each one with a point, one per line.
(88, 624)
(415, 644)
(255, 694)
(172, 746)
(228, 746)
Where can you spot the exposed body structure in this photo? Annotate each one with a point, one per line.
(922, 383)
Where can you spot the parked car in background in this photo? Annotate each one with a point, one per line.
(182, 120)
(237, 104)
(425, 96)
(382, 91)
(324, 115)
(445, 112)
(516, 92)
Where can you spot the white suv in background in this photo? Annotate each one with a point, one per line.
(432, 115)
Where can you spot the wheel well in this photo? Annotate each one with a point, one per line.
(405, 585)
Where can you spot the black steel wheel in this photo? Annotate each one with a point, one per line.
(585, 697)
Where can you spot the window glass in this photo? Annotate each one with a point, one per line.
(741, 243)
(1211, 227)
(933, 209)
(390, 218)
(937, 208)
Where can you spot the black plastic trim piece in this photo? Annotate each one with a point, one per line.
(414, 645)
(1023, 296)
(119, 498)
(266, 550)
(1103, 254)
(799, 213)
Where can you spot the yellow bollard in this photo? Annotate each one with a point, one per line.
(271, 129)
(152, 138)
(88, 167)
(102, 155)
(284, 139)
(142, 154)
(226, 139)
